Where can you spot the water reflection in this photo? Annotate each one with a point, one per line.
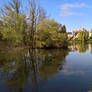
(18, 68)
(81, 47)
(13, 69)
(42, 70)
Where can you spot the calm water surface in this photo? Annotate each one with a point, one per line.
(47, 70)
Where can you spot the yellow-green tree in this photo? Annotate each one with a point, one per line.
(14, 23)
(50, 35)
(83, 35)
(17, 28)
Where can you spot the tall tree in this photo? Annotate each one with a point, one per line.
(14, 22)
(83, 35)
(36, 15)
(64, 29)
(49, 35)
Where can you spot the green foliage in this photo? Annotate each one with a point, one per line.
(13, 31)
(62, 29)
(49, 34)
(76, 39)
(35, 30)
(14, 24)
(83, 35)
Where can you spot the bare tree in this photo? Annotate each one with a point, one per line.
(32, 18)
(15, 5)
(36, 15)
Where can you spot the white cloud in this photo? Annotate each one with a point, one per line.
(65, 9)
(70, 13)
(68, 6)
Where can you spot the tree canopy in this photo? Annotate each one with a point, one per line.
(34, 28)
(49, 34)
(83, 35)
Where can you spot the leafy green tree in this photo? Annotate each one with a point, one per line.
(17, 28)
(14, 23)
(36, 15)
(83, 35)
(1, 24)
(62, 28)
(49, 34)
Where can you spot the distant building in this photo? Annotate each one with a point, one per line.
(75, 33)
(69, 34)
(90, 33)
(72, 35)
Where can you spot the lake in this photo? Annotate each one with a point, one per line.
(54, 70)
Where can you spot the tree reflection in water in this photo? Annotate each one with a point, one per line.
(21, 68)
(80, 47)
(30, 69)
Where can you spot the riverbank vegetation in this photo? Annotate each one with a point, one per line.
(31, 27)
(83, 36)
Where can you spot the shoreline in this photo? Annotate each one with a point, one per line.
(29, 47)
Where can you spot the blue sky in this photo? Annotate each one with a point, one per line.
(74, 14)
